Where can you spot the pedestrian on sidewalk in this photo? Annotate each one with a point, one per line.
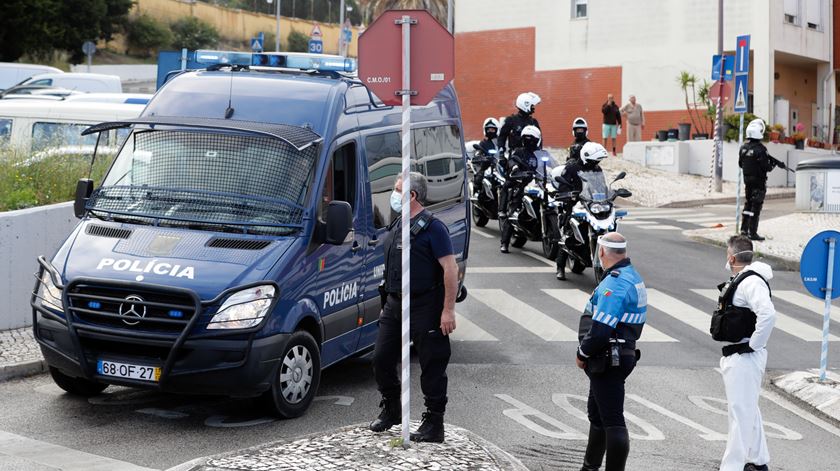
(744, 319)
(612, 121)
(756, 162)
(609, 328)
(635, 118)
(434, 284)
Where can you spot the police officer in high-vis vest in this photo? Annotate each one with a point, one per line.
(434, 284)
(609, 328)
(744, 320)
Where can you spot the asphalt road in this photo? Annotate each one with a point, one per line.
(512, 376)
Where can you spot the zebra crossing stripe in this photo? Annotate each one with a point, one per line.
(633, 222)
(467, 330)
(508, 270)
(662, 227)
(679, 310)
(784, 322)
(698, 220)
(668, 215)
(809, 303)
(577, 299)
(523, 314)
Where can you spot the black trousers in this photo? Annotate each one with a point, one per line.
(605, 406)
(515, 192)
(431, 345)
(756, 190)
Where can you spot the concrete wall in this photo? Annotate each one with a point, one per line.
(24, 235)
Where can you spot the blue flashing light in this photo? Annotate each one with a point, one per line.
(175, 314)
(223, 57)
(94, 304)
(320, 62)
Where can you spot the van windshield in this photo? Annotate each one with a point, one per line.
(212, 181)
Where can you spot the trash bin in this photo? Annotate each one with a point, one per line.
(662, 135)
(685, 131)
(818, 185)
(673, 133)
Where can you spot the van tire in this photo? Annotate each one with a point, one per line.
(76, 386)
(301, 360)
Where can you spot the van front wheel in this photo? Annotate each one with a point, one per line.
(78, 386)
(296, 381)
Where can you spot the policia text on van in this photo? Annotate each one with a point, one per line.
(235, 245)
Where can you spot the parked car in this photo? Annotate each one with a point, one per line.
(80, 82)
(13, 73)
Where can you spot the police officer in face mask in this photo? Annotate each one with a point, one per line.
(434, 284)
(580, 131)
(609, 328)
(744, 320)
(511, 132)
(756, 163)
(522, 161)
(488, 148)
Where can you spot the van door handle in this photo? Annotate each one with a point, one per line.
(373, 242)
(355, 247)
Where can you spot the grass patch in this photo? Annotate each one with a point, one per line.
(25, 183)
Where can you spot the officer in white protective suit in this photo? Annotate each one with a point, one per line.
(744, 320)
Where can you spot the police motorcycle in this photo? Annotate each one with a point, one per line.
(485, 199)
(592, 216)
(532, 219)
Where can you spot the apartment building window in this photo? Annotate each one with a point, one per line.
(579, 8)
(793, 12)
(813, 14)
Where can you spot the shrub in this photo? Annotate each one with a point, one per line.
(732, 123)
(298, 42)
(192, 33)
(146, 35)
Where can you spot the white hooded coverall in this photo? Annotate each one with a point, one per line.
(742, 376)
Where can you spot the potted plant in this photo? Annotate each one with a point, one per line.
(776, 132)
(697, 115)
(799, 136)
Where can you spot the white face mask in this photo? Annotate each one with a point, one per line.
(728, 266)
(396, 201)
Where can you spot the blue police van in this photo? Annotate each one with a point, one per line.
(235, 245)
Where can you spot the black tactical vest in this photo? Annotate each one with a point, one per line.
(732, 323)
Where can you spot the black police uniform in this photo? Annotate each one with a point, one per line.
(486, 146)
(510, 136)
(756, 163)
(609, 328)
(513, 190)
(574, 150)
(571, 173)
(429, 242)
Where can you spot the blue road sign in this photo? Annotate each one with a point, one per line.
(316, 46)
(813, 265)
(728, 68)
(742, 55)
(256, 45)
(742, 97)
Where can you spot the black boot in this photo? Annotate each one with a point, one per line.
(504, 248)
(431, 429)
(745, 225)
(755, 467)
(595, 449)
(389, 416)
(561, 265)
(754, 229)
(618, 447)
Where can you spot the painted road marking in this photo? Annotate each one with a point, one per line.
(59, 457)
(698, 220)
(662, 227)
(467, 330)
(705, 433)
(523, 314)
(522, 411)
(508, 270)
(808, 302)
(671, 215)
(577, 299)
(539, 258)
(783, 322)
(705, 403)
(651, 433)
(482, 233)
(633, 222)
(679, 310)
(798, 411)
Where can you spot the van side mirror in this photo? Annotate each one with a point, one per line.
(339, 222)
(84, 188)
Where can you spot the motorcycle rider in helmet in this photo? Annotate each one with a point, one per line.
(491, 129)
(511, 132)
(756, 163)
(580, 130)
(589, 160)
(522, 159)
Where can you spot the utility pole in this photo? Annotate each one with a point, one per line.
(277, 27)
(719, 122)
(449, 16)
(340, 25)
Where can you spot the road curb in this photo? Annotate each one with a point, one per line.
(723, 200)
(22, 369)
(505, 460)
(780, 262)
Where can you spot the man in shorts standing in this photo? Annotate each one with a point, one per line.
(612, 121)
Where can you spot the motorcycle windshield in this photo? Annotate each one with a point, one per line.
(545, 163)
(594, 186)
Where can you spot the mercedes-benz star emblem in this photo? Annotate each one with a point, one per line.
(130, 309)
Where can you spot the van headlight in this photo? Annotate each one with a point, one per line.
(244, 309)
(49, 294)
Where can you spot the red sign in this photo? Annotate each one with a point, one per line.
(722, 90)
(432, 57)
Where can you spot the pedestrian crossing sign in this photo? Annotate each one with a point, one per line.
(741, 94)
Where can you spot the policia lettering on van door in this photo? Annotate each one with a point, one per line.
(434, 284)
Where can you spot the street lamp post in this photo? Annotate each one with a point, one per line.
(277, 28)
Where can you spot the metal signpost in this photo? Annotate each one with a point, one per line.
(819, 268)
(89, 48)
(420, 57)
(316, 44)
(742, 71)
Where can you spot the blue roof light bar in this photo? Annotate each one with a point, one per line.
(319, 62)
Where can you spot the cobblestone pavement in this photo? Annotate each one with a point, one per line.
(19, 353)
(357, 448)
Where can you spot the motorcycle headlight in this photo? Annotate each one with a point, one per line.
(49, 294)
(244, 309)
(599, 208)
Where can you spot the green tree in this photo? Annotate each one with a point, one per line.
(145, 35)
(298, 42)
(192, 33)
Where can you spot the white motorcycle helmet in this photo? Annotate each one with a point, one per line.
(580, 123)
(593, 152)
(491, 123)
(531, 132)
(526, 102)
(755, 130)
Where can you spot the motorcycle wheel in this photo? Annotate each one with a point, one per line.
(519, 241)
(479, 218)
(578, 267)
(550, 248)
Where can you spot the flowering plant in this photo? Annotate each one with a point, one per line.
(800, 127)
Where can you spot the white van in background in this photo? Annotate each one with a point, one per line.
(79, 82)
(47, 128)
(12, 73)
